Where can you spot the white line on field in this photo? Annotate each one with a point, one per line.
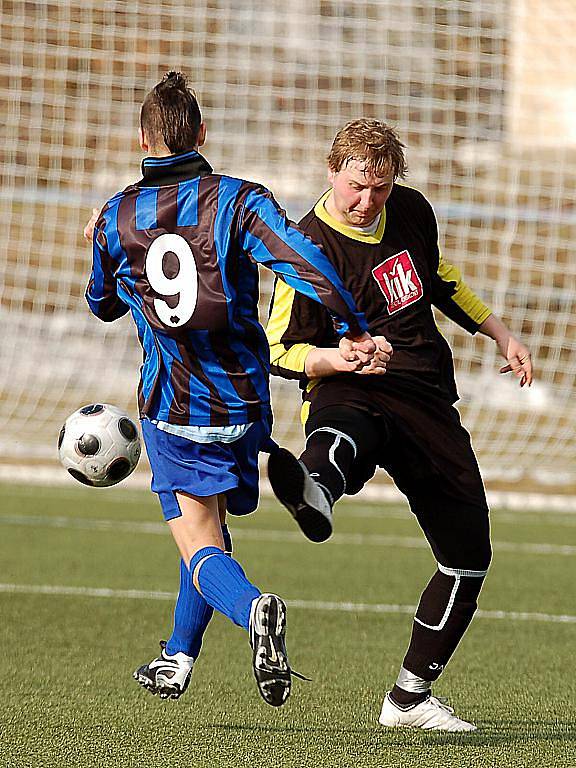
(357, 507)
(284, 537)
(315, 605)
(53, 478)
(372, 512)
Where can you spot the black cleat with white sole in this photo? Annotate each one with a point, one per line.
(269, 659)
(168, 676)
(300, 494)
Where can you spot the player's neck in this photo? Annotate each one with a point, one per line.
(163, 151)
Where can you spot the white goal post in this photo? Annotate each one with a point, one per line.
(482, 93)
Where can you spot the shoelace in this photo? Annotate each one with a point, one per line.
(440, 702)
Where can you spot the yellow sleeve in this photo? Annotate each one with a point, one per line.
(286, 361)
(463, 296)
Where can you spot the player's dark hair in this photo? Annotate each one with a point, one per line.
(170, 114)
(371, 142)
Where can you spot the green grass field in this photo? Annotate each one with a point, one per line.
(87, 584)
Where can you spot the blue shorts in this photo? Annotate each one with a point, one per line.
(207, 469)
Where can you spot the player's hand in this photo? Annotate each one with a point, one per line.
(89, 228)
(358, 349)
(518, 357)
(381, 357)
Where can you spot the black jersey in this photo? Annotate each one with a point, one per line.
(395, 276)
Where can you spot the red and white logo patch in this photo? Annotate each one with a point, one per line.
(398, 281)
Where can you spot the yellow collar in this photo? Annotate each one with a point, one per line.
(344, 229)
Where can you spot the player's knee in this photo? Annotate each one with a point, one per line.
(462, 584)
(481, 556)
(469, 544)
(359, 427)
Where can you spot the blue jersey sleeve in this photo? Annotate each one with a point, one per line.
(275, 242)
(101, 292)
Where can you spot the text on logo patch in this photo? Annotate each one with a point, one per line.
(398, 281)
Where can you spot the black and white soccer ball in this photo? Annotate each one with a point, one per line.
(99, 445)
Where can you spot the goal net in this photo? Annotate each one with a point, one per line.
(481, 91)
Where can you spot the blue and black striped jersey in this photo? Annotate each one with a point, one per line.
(180, 249)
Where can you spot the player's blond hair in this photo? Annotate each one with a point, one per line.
(371, 142)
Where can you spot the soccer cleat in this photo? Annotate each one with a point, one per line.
(168, 676)
(430, 715)
(269, 659)
(300, 494)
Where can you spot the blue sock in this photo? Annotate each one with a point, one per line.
(224, 585)
(191, 617)
(192, 613)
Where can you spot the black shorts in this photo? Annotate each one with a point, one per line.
(417, 437)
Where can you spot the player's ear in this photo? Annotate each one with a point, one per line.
(201, 135)
(142, 140)
(331, 176)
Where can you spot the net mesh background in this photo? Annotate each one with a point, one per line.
(482, 93)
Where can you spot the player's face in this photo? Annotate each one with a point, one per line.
(357, 195)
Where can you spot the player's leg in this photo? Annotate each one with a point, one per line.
(444, 613)
(218, 577)
(459, 537)
(169, 674)
(338, 440)
(222, 582)
(459, 534)
(192, 613)
(180, 467)
(268, 618)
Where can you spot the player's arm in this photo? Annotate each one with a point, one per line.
(449, 292)
(304, 344)
(517, 354)
(296, 326)
(275, 242)
(101, 292)
(455, 299)
(463, 306)
(459, 302)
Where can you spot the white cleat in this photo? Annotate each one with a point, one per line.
(168, 676)
(429, 715)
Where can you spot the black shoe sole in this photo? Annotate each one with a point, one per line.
(269, 660)
(287, 477)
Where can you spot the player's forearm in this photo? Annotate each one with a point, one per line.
(512, 349)
(323, 361)
(494, 328)
(107, 309)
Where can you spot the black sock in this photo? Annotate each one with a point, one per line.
(446, 608)
(406, 699)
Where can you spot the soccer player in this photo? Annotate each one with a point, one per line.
(180, 250)
(382, 238)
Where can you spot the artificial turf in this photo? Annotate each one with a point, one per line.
(68, 698)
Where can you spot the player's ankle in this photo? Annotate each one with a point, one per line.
(407, 699)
